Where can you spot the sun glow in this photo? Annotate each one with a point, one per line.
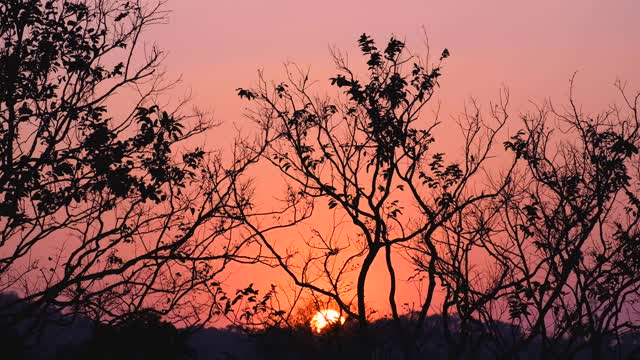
(326, 317)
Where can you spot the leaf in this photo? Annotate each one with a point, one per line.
(244, 93)
(394, 48)
(367, 45)
(332, 204)
(445, 54)
(121, 16)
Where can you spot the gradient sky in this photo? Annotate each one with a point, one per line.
(531, 47)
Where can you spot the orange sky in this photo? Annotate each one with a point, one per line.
(530, 47)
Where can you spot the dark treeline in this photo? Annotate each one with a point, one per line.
(144, 336)
(116, 233)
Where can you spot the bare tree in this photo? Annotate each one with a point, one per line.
(456, 253)
(569, 230)
(368, 156)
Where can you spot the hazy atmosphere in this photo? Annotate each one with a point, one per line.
(354, 179)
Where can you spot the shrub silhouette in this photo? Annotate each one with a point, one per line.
(141, 335)
(13, 346)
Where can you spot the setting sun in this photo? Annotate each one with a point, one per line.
(325, 317)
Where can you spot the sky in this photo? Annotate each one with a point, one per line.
(530, 47)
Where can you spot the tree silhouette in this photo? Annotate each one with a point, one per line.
(99, 212)
(368, 157)
(138, 335)
(556, 244)
(571, 223)
(541, 245)
(107, 212)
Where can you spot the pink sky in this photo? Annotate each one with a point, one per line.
(531, 47)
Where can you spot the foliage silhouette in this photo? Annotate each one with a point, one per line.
(145, 336)
(369, 155)
(575, 210)
(140, 335)
(342, 343)
(100, 212)
(108, 215)
(556, 227)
